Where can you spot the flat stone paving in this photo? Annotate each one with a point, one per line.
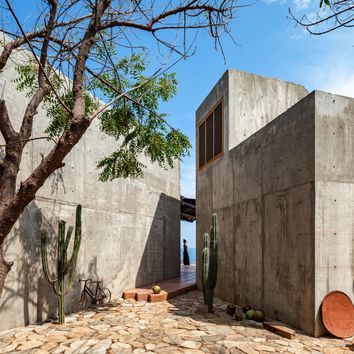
(181, 325)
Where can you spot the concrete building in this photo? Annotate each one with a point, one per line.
(131, 227)
(282, 185)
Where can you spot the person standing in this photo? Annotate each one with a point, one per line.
(185, 253)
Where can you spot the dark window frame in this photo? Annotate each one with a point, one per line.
(211, 112)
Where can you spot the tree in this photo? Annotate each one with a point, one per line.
(87, 48)
(332, 14)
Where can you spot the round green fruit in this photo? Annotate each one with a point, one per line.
(156, 289)
(249, 314)
(258, 316)
(246, 308)
(230, 309)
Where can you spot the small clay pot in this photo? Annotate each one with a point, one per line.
(230, 309)
(238, 316)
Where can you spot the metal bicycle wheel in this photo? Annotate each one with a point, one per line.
(80, 303)
(106, 298)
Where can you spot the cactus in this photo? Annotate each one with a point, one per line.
(205, 266)
(210, 263)
(65, 267)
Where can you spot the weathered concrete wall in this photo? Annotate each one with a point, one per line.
(279, 220)
(130, 226)
(256, 101)
(257, 187)
(334, 215)
(250, 102)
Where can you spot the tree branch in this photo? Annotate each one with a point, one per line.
(44, 51)
(6, 127)
(46, 167)
(41, 69)
(31, 139)
(88, 41)
(18, 42)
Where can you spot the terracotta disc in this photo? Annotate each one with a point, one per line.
(338, 314)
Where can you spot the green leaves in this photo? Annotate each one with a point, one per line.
(27, 78)
(60, 118)
(122, 163)
(327, 2)
(133, 121)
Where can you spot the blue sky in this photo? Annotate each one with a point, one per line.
(269, 44)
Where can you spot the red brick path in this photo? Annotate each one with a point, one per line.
(173, 287)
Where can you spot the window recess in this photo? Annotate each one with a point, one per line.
(210, 136)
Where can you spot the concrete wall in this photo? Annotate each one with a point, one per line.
(131, 227)
(334, 214)
(274, 249)
(250, 102)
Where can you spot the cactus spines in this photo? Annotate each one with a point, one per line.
(205, 266)
(65, 266)
(210, 263)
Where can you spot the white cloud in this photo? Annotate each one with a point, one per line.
(296, 4)
(334, 75)
(339, 82)
(302, 4)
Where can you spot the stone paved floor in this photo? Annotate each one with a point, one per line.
(180, 325)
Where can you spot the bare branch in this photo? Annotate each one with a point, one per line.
(18, 42)
(338, 14)
(88, 41)
(44, 51)
(118, 97)
(48, 138)
(6, 127)
(41, 69)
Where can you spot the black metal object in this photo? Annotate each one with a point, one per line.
(188, 211)
(89, 296)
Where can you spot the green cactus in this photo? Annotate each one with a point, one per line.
(64, 266)
(210, 263)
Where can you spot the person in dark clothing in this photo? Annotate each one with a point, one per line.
(185, 253)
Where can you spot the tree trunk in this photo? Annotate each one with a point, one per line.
(13, 203)
(4, 269)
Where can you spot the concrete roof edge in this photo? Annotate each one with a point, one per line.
(266, 77)
(320, 92)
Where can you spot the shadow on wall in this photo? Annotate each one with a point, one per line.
(160, 258)
(27, 281)
(29, 296)
(90, 273)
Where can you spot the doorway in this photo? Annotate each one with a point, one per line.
(188, 239)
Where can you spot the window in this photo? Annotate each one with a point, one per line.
(210, 136)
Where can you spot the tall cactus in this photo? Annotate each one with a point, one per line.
(64, 266)
(205, 268)
(210, 263)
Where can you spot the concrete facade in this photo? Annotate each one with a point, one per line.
(131, 227)
(283, 195)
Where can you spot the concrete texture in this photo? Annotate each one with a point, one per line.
(250, 102)
(334, 184)
(131, 227)
(284, 199)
